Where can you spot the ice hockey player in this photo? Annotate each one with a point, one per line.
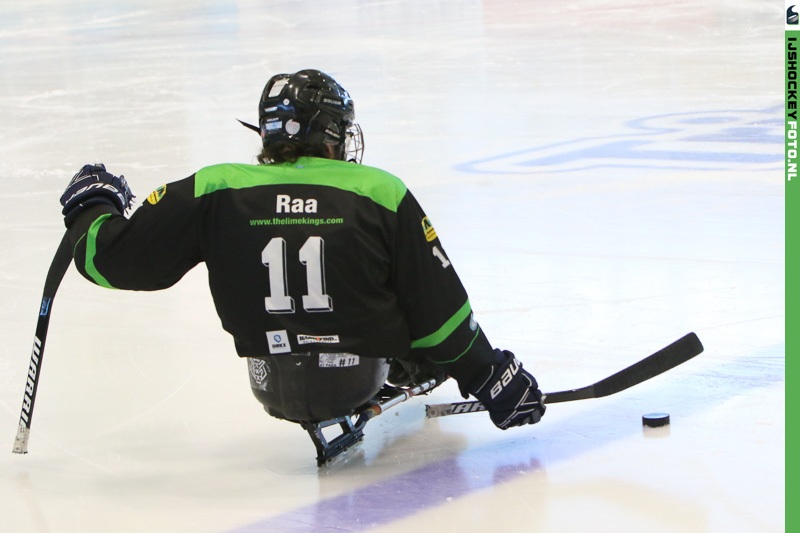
(326, 272)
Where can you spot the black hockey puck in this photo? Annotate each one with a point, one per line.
(655, 420)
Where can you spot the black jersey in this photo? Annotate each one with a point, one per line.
(307, 257)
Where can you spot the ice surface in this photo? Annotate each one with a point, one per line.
(605, 176)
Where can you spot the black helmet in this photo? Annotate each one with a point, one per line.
(309, 106)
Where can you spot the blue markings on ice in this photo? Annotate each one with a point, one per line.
(711, 140)
(406, 494)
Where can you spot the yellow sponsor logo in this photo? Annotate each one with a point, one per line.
(427, 227)
(157, 195)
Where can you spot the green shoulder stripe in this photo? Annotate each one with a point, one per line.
(381, 187)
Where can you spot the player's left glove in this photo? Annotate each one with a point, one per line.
(509, 392)
(93, 185)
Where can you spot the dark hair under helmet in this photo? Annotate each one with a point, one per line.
(309, 106)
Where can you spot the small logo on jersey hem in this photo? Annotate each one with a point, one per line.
(278, 342)
(318, 339)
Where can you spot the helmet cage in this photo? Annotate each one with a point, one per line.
(354, 144)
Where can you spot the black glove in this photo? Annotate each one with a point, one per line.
(93, 186)
(509, 393)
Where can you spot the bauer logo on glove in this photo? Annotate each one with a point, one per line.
(509, 392)
(506, 377)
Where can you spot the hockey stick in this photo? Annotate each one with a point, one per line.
(58, 268)
(666, 358)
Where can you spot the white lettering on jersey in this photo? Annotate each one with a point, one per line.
(286, 204)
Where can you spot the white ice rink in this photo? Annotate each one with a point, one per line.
(605, 176)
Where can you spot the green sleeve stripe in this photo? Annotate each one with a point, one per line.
(439, 336)
(456, 358)
(381, 187)
(91, 251)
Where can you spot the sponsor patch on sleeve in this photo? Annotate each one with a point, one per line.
(430, 232)
(154, 197)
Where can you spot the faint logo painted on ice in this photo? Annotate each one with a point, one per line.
(712, 140)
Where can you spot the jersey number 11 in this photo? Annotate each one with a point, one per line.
(312, 255)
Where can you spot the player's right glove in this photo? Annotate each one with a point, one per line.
(93, 185)
(509, 392)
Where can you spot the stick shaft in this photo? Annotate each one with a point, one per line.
(401, 396)
(666, 358)
(55, 274)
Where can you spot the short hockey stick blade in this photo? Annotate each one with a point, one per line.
(665, 359)
(55, 274)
